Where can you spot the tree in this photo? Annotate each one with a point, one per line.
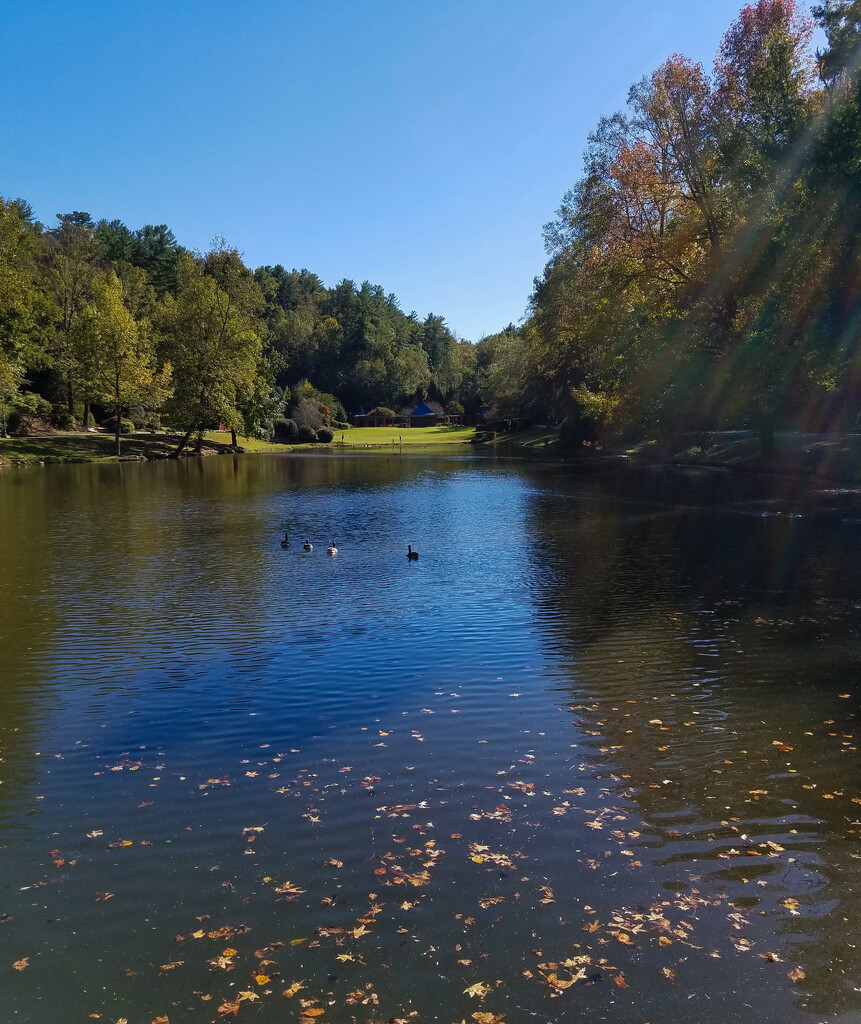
(117, 354)
(26, 313)
(72, 262)
(213, 338)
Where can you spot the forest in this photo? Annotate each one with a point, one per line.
(703, 273)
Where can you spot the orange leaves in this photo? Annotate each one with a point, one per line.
(288, 993)
(796, 974)
(22, 964)
(229, 1006)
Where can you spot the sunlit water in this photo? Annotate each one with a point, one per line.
(593, 756)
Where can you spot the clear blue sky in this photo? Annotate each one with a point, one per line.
(418, 144)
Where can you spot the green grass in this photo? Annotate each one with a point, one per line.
(410, 437)
(55, 448)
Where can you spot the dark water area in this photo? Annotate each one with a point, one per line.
(593, 756)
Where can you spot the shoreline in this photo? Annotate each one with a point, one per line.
(820, 458)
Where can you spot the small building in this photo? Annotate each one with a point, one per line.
(423, 416)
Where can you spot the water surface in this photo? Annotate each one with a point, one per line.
(593, 755)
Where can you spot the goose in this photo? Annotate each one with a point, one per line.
(413, 556)
(331, 549)
(308, 546)
(286, 542)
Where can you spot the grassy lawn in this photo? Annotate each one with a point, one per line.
(100, 447)
(361, 437)
(407, 436)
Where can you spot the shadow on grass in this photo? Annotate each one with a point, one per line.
(89, 447)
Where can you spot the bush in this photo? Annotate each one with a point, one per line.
(285, 431)
(311, 413)
(341, 425)
(153, 422)
(138, 416)
(65, 421)
(126, 426)
(307, 435)
(325, 435)
(383, 412)
(15, 423)
(91, 420)
(501, 426)
(454, 409)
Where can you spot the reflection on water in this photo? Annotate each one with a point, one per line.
(593, 754)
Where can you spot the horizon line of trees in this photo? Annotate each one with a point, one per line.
(96, 316)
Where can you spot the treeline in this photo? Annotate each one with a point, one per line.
(705, 271)
(97, 317)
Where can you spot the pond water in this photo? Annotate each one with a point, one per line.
(593, 755)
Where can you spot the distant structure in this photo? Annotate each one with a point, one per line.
(423, 416)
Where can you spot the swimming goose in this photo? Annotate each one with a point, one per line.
(308, 546)
(413, 556)
(331, 549)
(286, 542)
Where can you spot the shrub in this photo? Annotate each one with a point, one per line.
(454, 409)
(65, 421)
(126, 426)
(286, 431)
(15, 423)
(325, 435)
(153, 422)
(307, 435)
(137, 414)
(91, 420)
(311, 413)
(501, 426)
(341, 425)
(383, 412)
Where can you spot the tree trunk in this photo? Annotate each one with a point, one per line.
(70, 395)
(119, 422)
(233, 436)
(86, 414)
(180, 448)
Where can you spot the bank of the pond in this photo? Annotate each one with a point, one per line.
(822, 458)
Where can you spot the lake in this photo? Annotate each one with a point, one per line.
(594, 755)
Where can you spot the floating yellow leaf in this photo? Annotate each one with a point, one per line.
(479, 990)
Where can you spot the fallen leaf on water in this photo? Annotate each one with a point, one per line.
(668, 972)
(620, 980)
(229, 1007)
(19, 965)
(262, 979)
(248, 996)
(479, 989)
(313, 1011)
(294, 988)
(796, 974)
(487, 1018)
(161, 1020)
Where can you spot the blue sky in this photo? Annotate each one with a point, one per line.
(418, 144)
